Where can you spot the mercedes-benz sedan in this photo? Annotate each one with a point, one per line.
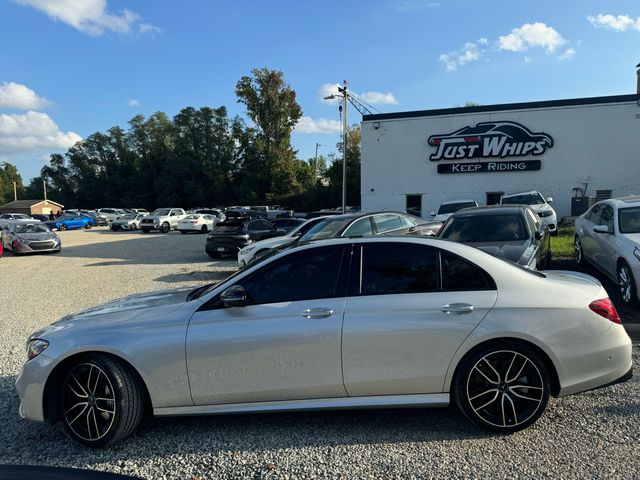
(340, 323)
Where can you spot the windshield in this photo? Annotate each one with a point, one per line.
(161, 212)
(629, 220)
(524, 199)
(327, 228)
(454, 207)
(31, 228)
(485, 228)
(130, 216)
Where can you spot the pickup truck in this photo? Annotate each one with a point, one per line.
(163, 219)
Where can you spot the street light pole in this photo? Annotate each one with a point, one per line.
(343, 90)
(315, 166)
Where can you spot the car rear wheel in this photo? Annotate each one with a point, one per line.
(87, 226)
(102, 401)
(626, 284)
(62, 227)
(577, 251)
(502, 387)
(165, 227)
(204, 229)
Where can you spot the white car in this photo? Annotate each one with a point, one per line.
(446, 209)
(539, 204)
(197, 222)
(249, 252)
(7, 218)
(608, 237)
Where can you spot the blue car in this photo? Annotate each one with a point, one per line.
(69, 222)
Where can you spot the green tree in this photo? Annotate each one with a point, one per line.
(353, 170)
(8, 175)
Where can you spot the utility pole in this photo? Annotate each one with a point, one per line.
(15, 191)
(343, 91)
(44, 187)
(315, 166)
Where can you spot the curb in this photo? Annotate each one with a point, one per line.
(633, 330)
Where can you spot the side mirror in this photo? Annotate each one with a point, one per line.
(538, 235)
(234, 296)
(601, 229)
(549, 199)
(433, 214)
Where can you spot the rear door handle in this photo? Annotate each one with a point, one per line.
(457, 308)
(317, 313)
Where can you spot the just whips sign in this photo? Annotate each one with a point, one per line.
(494, 140)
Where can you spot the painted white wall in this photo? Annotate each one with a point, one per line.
(596, 144)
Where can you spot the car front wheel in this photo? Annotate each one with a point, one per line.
(577, 251)
(502, 387)
(165, 227)
(102, 401)
(626, 284)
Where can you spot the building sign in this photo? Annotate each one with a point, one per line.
(490, 140)
(475, 167)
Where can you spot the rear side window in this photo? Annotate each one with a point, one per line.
(387, 222)
(461, 275)
(360, 227)
(403, 268)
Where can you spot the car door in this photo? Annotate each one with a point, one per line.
(284, 344)
(606, 244)
(587, 235)
(404, 321)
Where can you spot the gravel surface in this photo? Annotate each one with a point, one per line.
(592, 435)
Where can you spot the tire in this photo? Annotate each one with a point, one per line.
(145, 230)
(114, 401)
(165, 227)
(14, 249)
(204, 229)
(626, 284)
(87, 226)
(489, 394)
(63, 227)
(578, 253)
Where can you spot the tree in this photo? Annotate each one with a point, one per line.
(272, 107)
(353, 170)
(8, 175)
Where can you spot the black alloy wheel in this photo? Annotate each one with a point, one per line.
(578, 254)
(102, 401)
(503, 387)
(626, 284)
(165, 227)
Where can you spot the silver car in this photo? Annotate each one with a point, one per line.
(341, 323)
(29, 237)
(608, 237)
(130, 221)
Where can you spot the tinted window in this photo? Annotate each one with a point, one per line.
(392, 268)
(606, 217)
(360, 227)
(300, 276)
(460, 275)
(629, 220)
(386, 223)
(594, 214)
(327, 228)
(485, 228)
(454, 207)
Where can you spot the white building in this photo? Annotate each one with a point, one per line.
(583, 147)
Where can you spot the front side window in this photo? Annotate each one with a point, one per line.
(606, 217)
(629, 220)
(304, 275)
(398, 268)
(360, 227)
(594, 214)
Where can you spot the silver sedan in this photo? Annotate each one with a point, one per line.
(29, 237)
(341, 323)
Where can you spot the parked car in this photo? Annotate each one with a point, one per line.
(99, 219)
(447, 208)
(272, 212)
(235, 233)
(608, 237)
(259, 248)
(539, 204)
(197, 222)
(26, 237)
(163, 219)
(140, 210)
(7, 218)
(219, 214)
(288, 224)
(129, 222)
(70, 221)
(321, 213)
(344, 323)
(40, 217)
(510, 232)
(111, 213)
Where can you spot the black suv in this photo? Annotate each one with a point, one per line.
(228, 237)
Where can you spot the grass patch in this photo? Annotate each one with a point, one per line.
(562, 244)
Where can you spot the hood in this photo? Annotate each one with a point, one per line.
(442, 217)
(519, 251)
(541, 207)
(162, 298)
(34, 237)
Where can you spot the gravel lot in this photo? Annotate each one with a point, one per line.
(593, 435)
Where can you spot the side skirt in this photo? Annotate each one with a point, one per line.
(381, 401)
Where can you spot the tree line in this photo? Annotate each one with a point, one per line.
(200, 157)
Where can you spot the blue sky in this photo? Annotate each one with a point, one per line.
(69, 68)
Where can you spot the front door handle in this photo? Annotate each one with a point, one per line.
(457, 308)
(317, 313)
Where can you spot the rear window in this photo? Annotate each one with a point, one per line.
(485, 228)
(230, 226)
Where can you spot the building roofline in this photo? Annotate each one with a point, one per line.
(571, 102)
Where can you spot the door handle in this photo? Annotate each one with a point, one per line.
(317, 313)
(457, 308)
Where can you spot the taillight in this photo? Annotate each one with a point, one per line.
(604, 307)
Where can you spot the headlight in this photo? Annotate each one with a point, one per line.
(35, 347)
(636, 252)
(545, 214)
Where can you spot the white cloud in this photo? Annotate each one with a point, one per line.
(16, 95)
(531, 35)
(133, 103)
(321, 125)
(528, 59)
(568, 54)
(619, 23)
(32, 130)
(91, 16)
(376, 98)
(416, 5)
(470, 52)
